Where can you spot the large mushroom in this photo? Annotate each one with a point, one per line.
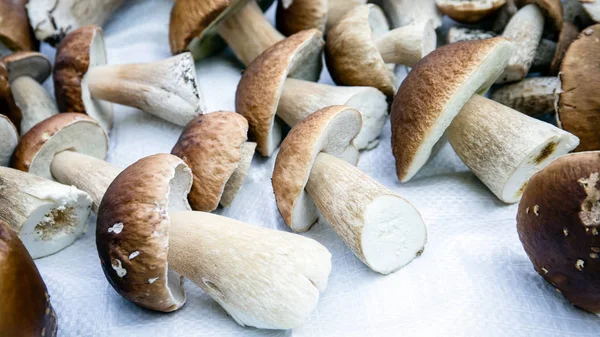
(558, 223)
(25, 308)
(47, 216)
(215, 148)
(265, 91)
(15, 33)
(360, 48)
(315, 174)
(9, 138)
(500, 145)
(406, 12)
(470, 11)
(147, 240)
(84, 83)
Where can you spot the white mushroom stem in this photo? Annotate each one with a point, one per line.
(531, 96)
(592, 7)
(166, 89)
(235, 182)
(248, 33)
(87, 173)
(408, 44)
(9, 138)
(503, 147)
(33, 100)
(382, 229)
(301, 98)
(458, 34)
(405, 12)
(338, 8)
(263, 278)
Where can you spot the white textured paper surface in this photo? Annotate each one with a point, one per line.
(473, 279)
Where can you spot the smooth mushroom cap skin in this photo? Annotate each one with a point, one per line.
(25, 308)
(297, 15)
(9, 138)
(469, 11)
(15, 32)
(558, 222)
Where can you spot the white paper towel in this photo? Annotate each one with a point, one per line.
(473, 279)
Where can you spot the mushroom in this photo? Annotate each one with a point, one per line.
(265, 91)
(9, 138)
(26, 309)
(27, 102)
(458, 34)
(575, 13)
(501, 146)
(195, 24)
(561, 236)
(577, 99)
(592, 7)
(214, 146)
(531, 96)
(147, 237)
(297, 15)
(47, 216)
(52, 20)
(469, 11)
(315, 174)
(338, 8)
(406, 12)
(84, 83)
(15, 33)
(68, 148)
(360, 46)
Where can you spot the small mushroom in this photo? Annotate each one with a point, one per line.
(406, 12)
(592, 7)
(531, 96)
(297, 15)
(470, 11)
(52, 20)
(315, 174)
(47, 216)
(26, 309)
(261, 277)
(577, 99)
(360, 47)
(561, 238)
(9, 138)
(84, 83)
(214, 146)
(265, 91)
(15, 33)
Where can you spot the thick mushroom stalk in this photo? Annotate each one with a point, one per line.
(408, 44)
(531, 96)
(33, 100)
(9, 138)
(405, 12)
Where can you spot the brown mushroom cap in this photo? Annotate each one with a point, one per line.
(552, 9)
(259, 90)
(211, 146)
(15, 32)
(297, 15)
(568, 34)
(132, 232)
(330, 130)
(558, 223)
(25, 308)
(577, 101)
(469, 11)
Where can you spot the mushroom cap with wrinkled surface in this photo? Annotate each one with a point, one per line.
(552, 9)
(15, 32)
(331, 130)
(259, 90)
(132, 232)
(297, 15)
(469, 11)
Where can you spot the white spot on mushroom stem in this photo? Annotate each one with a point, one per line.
(134, 255)
(579, 265)
(152, 280)
(116, 228)
(118, 267)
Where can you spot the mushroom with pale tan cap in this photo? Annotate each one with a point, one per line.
(25, 308)
(84, 83)
(215, 147)
(148, 240)
(15, 32)
(558, 223)
(9, 138)
(265, 91)
(592, 7)
(469, 11)
(406, 12)
(315, 174)
(47, 216)
(502, 147)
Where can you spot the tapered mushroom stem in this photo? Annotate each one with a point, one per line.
(531, 96)
(248, 33)
(87, 173)
(407, 45)
(382, 229)
(236, 180)
(261, 277)
(33, 100)
(166, 89)
(505, 151)
(301, 98)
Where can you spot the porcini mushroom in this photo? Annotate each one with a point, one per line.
(458, 34)
(592, 7)
(558, 224)
(532, 96)
(360, 47)
(147, 237)
(297, 15)
(47, 216)
(84, 83)
(26, 309)
(338, 8)
(15, 33)
(52, 20)
(9, 138)
(315, 173)
(214, 146)
(470, 11)
(406, 12)
(265, 91)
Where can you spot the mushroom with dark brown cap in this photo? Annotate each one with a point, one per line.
(15, 33)
(470, 11)
(532, 96)
(502, 147)
(592, 7)
(69, 148)
(147, 237)
(9, 138)
(84, 83)
(360, 47)
(25, 308)
(558, 223)
(28, 102)
(47, 216)
(406, 12)
(195, 25)
(215, 147)
(265, 91)
(315, 174)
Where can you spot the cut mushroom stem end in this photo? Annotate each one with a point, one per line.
(409, 44)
